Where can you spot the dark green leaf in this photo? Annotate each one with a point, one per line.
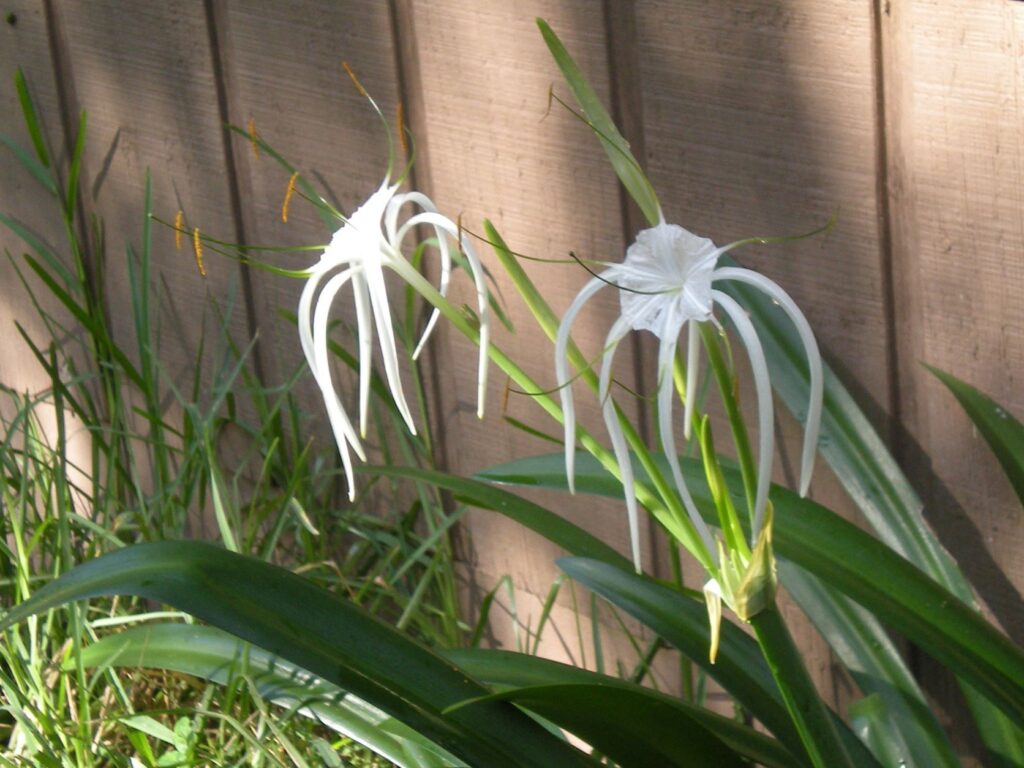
(318, 631)
(846, 558)
(505, 669)
(1003, 433)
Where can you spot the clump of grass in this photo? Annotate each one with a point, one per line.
(114, 451)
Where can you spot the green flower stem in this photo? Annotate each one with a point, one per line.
(659, 504)
(810, 715)
(726, 386)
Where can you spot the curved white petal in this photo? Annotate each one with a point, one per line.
(562, 339)
(766, 422)
(666, 392)
(611, 419)
(444, 224)
(344, 434)
(381, 308)
(304, 316)
(692, 374)
(812, 423)
(364, 329)
(396, 237)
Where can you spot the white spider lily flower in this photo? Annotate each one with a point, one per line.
(368, 241)
(666, 285)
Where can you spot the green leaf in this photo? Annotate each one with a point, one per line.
(668, 716)
(318, 631)
(872, 659)
(617, 148)
(554, 528)
(38, 171)
(683, 623)
(1003, 433)
(28, 113)
(872, 478)
(846, 558)
(214, 655)
(660, 730)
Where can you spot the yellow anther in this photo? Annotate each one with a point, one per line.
(254, 138)
(288, 196)
(403, 140)
(197, 246)
(179, 220)
(359, 86)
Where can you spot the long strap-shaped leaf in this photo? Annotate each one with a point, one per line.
(659, 729)
(850, 560)
(322, 633)
(214, 655)
(741, 668)
(1003, 433)
(875, 482)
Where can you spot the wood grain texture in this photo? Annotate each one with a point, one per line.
(964, 143)
(548, 188)
(759, 120)
(146, 77)
(284, 69)
(24, 43)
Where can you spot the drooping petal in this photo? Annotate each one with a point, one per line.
(611, 420)
(305, 314)
(812, 423)
(562, 373)
(381, 308)
(441, 225)
(765, 411)
(666, 393)
(396, 237)
(344, 435)
(364, 329)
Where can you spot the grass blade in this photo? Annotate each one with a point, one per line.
(214, 655)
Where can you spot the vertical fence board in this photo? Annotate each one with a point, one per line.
(24, 43)
(284, 67)
(146, 79)
(549, 189)
(759, 120)
(967, 153)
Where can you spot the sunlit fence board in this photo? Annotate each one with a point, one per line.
(549, 190)
(963, 147)
(23, 43)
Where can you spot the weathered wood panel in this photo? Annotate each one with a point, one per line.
(284, 69)
(24, 43)
(549, 189)
(965, 148)
(146, 77)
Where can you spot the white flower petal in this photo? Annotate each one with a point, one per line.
(344, 434)
(611, 419)
(562, 339)
(381, 308)
(666, 393)
(396, 237)
(364, 329)
(765, 412)
(812, 423)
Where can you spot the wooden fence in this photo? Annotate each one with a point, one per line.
(752, 117)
